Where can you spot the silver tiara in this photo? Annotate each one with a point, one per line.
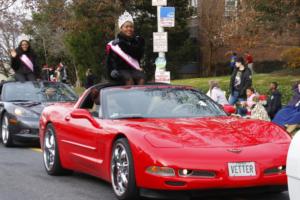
(125, 17)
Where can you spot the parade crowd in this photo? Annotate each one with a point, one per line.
(123, 65)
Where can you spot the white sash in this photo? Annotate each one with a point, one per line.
(27, 62)
(131, 61)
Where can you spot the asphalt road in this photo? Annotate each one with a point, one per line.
(22, 177)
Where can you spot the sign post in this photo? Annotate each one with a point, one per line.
(165, 18)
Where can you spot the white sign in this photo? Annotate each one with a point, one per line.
(159, 2)
(162, 77)
(167, 16)
(160, 42)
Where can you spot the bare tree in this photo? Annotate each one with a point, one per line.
(10, 29)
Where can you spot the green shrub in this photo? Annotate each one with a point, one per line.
(292, 57)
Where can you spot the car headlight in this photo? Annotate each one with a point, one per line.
(24, 113)
(160, 171)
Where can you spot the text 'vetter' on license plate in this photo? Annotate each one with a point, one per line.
(242, 169)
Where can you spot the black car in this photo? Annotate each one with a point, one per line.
(21, 104)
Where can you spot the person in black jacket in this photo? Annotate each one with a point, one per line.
(23, 62)
(241, 79)
(125, 53)
(274, 100)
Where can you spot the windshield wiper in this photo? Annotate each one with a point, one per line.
(19, 100)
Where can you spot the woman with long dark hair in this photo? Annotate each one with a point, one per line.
(23, 62)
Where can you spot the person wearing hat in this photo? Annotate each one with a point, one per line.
(241, 79)
(124, 54)
(23, 62)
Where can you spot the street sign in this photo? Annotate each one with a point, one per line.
(159, 2)
(160, 42)
(161, 63)
(163, 77)
(167, 16)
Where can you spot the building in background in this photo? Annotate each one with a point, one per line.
(219, 24)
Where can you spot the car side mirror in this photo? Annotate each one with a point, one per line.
(84, 114)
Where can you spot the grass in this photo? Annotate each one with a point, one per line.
(261, 83)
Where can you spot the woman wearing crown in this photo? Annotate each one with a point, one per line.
(124, 54)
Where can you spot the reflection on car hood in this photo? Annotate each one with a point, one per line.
(36, 107)
(208, 132)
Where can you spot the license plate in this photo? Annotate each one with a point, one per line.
(242, 169)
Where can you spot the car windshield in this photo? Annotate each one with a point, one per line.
(38, 92)
(158, 102)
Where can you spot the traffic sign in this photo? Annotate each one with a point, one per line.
(160, 42)
(167, 16)
(163, 77)
(159, 2)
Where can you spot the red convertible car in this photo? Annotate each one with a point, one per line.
(157, 140)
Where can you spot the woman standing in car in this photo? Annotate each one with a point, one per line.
(124, 54)
(23, 62)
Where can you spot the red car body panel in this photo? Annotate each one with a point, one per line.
(185, 143)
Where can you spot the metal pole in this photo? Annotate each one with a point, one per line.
(160, 30)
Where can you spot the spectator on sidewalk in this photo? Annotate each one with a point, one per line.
(233, 59)
(216, 93)
(90, 78)
(62, 73)
(274, 100)
(124, 54)
(249, 61)
(245, 107)
(23, 62)
(241, 79)
(45, 73)
(289, 116)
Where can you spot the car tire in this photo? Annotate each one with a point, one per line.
(122, 171)
(51, 157)
(6, 137)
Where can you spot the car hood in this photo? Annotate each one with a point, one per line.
(208, 132)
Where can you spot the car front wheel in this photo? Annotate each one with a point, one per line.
(51, 154)
(122, 171)
(5, 133)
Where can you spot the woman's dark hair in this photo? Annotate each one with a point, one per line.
(251, 89)
(240, 60)
(275, 84)
(20, 47)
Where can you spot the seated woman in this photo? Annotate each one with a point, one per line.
(246, 106)
(124, 54)
(289, 116)
(216, 93)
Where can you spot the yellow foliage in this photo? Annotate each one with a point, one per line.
(292, 57)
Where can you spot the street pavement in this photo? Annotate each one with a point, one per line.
(22, 177)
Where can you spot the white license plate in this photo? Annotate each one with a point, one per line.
(242, 169)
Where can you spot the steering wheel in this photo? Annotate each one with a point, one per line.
(185, 106)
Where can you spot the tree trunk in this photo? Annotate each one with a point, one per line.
(77, 82)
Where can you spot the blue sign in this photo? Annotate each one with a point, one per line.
(167, 16)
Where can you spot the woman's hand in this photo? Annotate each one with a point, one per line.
(13, 53)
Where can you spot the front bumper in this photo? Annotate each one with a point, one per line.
(24, 129)
(186, 194)
(212, 160)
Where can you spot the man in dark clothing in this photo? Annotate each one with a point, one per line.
(241, 79)
(23, 62)
(274, 100)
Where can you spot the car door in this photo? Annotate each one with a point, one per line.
(80, 139)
